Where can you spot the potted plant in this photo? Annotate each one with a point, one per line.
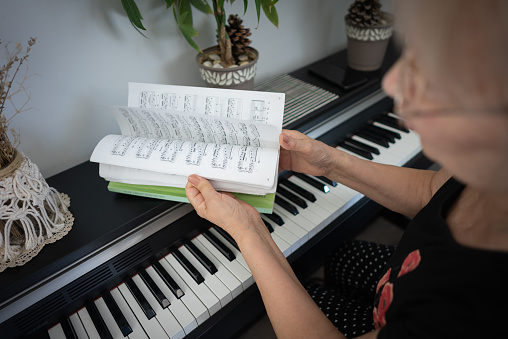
(232, 62)
(368, 30)
(32, 214)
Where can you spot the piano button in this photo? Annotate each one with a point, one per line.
(324, 200)
(297, 230)
(291, 197)
(117, 315)
(78, 327)
(156, 291)
(300, 191)
(109, 320)
(151, 326)
(201, 291)
(393, 122)
(327, 181)
(374, 138)
(191, 270)
(97, 321)
(356, 150)
(56, 332)
(140, 298)
(388, 131)
(293, 241)
(169, 281)
(176, 307)
(387, 156)
(310, 212)
(268, 226)
(370, 149)
(275, 218)
(303, 222)
(226, 236)
(201, 257)
(286, 205)
(219, 245)
(213, 283)
(313, 182)
(409, 143)
(379, 132)
(238, 255)
(65, 322)
(283, 246)
(137, 329)
(231, 273)
(88, 324)
(164, 317)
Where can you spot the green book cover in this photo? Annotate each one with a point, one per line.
(262, 203)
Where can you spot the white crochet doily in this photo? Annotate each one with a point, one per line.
(32, 214)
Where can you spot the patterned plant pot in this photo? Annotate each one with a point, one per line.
(367, 46)
(240, 77)
(32, 214)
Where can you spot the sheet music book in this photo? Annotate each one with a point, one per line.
(168, 132)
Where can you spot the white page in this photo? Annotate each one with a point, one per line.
(266, 107)
(230, 163)
(176, 125)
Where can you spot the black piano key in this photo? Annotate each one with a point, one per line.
(393, 134)
(269, 226)
(373, 138)
(117, 314)
(372, 129)
(201, 257)
(156, 291)
(219, 245)
(327, 181)
(393, 122)
(320, 186)
(291, 196)
(366, 147)
(357, 151)
(168, 280)
(226, 236)
(275, 218)
(98, 322)
(286, 205)
(301, 191)
(193, 272)
(140, 298)
(67, 328)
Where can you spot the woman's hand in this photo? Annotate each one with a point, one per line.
(223, 209)
(303, 154)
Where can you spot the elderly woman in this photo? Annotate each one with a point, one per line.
(448, 276)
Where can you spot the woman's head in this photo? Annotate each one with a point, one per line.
(454, 75)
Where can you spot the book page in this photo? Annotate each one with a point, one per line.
(175, 125)
(249, 165)
(265, 107)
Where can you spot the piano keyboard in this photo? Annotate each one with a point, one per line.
(179, 291)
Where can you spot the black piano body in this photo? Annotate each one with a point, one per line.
(115, 235)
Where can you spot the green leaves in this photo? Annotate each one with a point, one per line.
(133, 13)
(269, 10)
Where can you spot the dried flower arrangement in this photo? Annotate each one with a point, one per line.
(7, 92)
(32, 214)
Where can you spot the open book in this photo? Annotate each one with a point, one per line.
(168, 132)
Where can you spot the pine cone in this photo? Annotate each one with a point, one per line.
(365, 13)
(238, 35)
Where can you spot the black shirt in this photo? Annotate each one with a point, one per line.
(434, 287)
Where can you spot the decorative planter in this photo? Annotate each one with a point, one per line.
(239, 77)
(367, 45)
(32, 214)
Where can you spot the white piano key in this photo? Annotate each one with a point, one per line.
(195, 306)
(56, 332)
(78, 327)
(177, 307)
(409, 139)
(325, 200)
(225, 275)
(201, 290)
(151, 326)
(88, 323)
(238, 254)
(293, 241)
(137, 330)
(163, 315)
(307, 212)
(293, 227)
(308, 226)
(244, 276)
(214, 284)
(283, 246)
(108, 319)
(387, 156)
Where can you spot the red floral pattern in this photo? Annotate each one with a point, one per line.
(383, 280)
(384, 303)
(410, 263)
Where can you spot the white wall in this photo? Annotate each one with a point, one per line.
(87, 51)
